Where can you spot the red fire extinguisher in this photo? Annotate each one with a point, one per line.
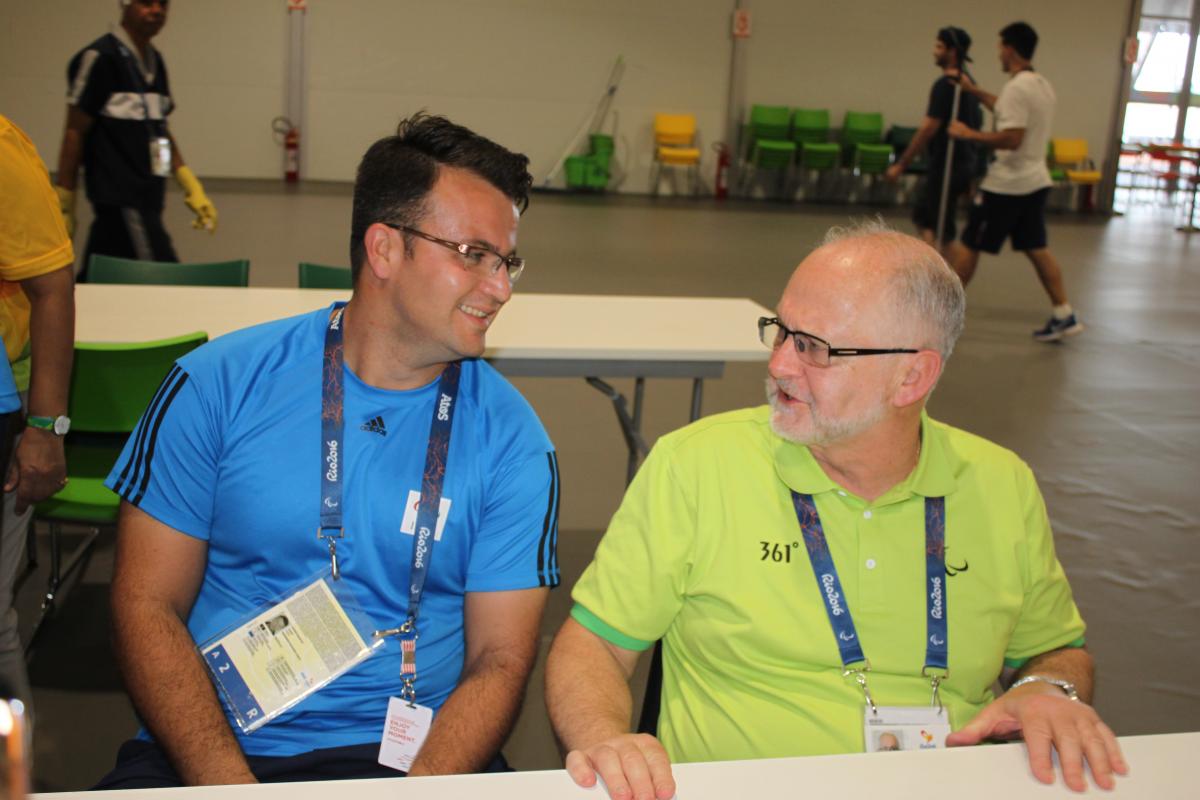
(288, 135)
(291, 155)
(722, 180)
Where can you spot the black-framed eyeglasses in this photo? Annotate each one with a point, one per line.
(476, 258)
(813, 349)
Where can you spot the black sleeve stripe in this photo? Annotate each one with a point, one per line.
(554, 574)
(139, 439)
(162, 412)
(547, 560)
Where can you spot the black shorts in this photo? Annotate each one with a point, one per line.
(929, 193)
(143, 765)
(995, 217)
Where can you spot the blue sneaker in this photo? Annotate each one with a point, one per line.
(1056, 329)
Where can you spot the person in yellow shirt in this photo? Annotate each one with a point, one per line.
(833, 565)
(37, 321)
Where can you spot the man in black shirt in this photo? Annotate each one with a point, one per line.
(949, 53)
(117, 106)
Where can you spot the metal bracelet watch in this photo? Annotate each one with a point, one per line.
(1067, 687)
(59, 425)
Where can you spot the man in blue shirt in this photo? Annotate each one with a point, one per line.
(320, 422)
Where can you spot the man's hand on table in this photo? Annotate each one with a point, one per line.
(633, 766)
(1049, 720)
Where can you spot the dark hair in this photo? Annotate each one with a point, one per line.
(397, 173)
(957, 40)
(1020, 36)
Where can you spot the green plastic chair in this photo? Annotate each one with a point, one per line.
(768, 142)
(107, 269)
(319, 276)
(810, 130)
(111, 386)
(862, 133)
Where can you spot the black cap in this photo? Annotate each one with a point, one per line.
(957, 38)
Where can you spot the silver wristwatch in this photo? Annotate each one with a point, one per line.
(1067, 687)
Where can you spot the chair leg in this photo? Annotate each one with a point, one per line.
(655, 174)
(60, 572)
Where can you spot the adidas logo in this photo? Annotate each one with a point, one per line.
(374, 426)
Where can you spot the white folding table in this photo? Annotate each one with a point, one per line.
(1158, 770)
(535, 335)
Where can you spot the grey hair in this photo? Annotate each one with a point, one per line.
(924, 288)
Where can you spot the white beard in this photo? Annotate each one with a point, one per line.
(822, 430)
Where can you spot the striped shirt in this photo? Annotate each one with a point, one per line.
(129, 102)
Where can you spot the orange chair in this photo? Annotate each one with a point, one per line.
(675, 146)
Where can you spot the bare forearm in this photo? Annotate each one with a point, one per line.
(52, 340)
(919, 142)
(987, 98)
(172, 692)
(1073, 664)
(998, 140)
(477, 717)
(587, 691)
(70, 155)
(176, 156)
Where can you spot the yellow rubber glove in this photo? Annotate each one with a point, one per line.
(197, 200)
(66, 203)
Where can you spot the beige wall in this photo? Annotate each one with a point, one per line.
(529, 72)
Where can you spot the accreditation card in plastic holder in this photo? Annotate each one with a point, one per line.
(270, 661)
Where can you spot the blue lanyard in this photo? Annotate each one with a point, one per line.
(333, 461)
(838, 611)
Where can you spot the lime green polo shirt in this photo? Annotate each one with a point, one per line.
(706, 553)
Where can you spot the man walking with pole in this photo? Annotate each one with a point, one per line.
(951, 164)
(1012, 198)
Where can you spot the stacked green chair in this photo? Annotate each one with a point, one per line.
(862, 133)
(817, 157)
(768, 143)
(111, 385)
(106, 269)
(810, 130)
(319, 276)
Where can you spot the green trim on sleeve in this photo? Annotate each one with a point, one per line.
(1017, 663)
(605, 631)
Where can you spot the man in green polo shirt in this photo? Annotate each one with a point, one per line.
(833, 572)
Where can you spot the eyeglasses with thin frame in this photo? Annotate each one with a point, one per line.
(813, 349)
(482, 260)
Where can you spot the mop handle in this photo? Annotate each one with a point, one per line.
(942, 200)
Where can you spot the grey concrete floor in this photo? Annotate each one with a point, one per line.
(1108, 421)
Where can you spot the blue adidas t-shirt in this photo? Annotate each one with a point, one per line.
(229, 451)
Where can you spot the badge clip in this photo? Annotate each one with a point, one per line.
(331, 540)
(860, 677)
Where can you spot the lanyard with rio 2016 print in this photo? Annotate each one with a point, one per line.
(854, 662)
(331, 529)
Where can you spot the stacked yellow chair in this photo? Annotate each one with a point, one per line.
(674, 147)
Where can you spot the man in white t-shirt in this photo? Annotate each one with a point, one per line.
(1012, 198)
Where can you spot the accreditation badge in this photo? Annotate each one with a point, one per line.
(285, 651)
(404, 732)
(890, 728)
(160, 156)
